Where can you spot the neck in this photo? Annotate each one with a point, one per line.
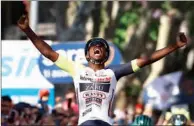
(96, 67)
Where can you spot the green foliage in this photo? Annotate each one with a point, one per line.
(153, 35)
(166, 6)
(153, 30)
(127, 18)
(121, 33)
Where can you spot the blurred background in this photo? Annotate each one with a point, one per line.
(35, 91)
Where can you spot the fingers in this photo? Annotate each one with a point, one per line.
(26, 15)
(182, 37)
(22, 19)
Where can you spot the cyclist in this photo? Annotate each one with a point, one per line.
(95, 85)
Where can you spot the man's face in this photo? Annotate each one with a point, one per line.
(97, 52)
(6, 107)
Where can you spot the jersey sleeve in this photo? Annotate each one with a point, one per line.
(125, 69)
(68, 66)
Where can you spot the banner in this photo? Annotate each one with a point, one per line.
(21, 77)
(170, 89)
(73, 51)
(163, 91)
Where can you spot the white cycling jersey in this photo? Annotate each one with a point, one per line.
(95, 89)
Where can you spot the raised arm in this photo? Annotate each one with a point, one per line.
(181, 41)
(42, 46)
(46, 50)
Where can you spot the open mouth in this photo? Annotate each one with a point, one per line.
(97, 51)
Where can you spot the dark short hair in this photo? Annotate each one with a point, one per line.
(6, 98)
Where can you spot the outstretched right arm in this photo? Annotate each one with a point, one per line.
(42, 46)
(45, 49)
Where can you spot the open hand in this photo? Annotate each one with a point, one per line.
(23, 22)
(181, 40)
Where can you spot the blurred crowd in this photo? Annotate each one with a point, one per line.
(65, 112)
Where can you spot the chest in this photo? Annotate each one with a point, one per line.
(96, 77)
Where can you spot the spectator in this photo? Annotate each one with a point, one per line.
(179, 117)
(60, 116)
(6, 106)
(120, 116)
(58, 102)
(70, 101)
(73, 121)
(47, 120)
(138, 109)
(43, 101)
(143, 120)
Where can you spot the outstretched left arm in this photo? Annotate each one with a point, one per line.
(136, 64)
(181, 41)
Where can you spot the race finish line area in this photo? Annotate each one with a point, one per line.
(97, 63)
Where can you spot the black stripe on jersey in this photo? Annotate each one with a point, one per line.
(110, 104)
(121, 70)
(91, 86)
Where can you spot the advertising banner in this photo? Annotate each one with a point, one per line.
(21, 77)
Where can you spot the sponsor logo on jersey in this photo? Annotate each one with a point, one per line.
(86, 78)
(86, 111)
(94, 94)
(101, 73)
(99, 79)
(94, 100)
(91, 86)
